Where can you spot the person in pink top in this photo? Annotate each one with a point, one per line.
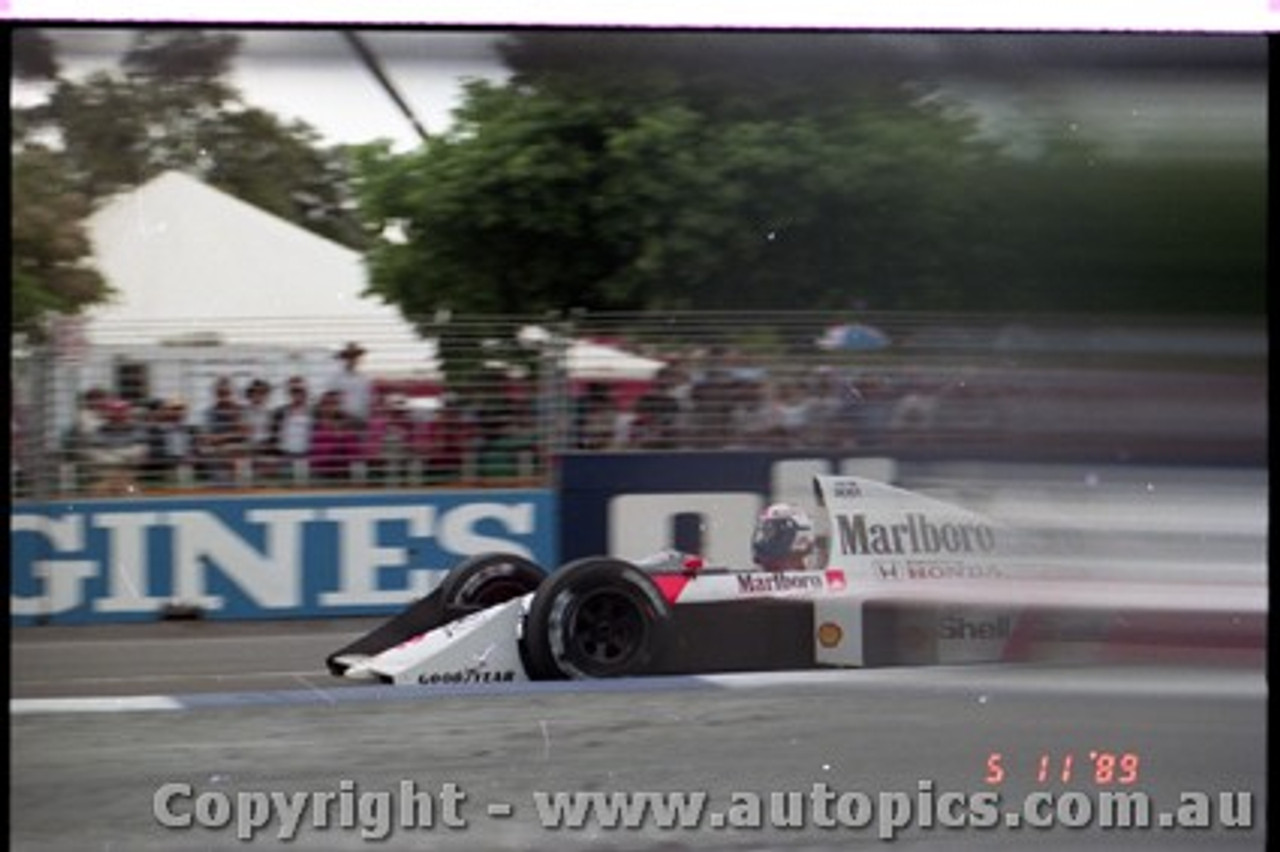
(391, 440)
(335, 441)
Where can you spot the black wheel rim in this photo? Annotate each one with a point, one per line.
(607, 629)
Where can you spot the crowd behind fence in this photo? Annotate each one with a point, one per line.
(106, 421)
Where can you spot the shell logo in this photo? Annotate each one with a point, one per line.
(829, 634)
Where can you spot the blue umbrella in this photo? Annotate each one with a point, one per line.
(853, 337)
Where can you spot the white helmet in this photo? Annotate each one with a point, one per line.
(784, 537)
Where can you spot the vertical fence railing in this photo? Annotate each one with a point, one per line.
(725, 380)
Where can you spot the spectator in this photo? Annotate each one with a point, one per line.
(750, 409)
(257, 426)
(355, 389)
(89, 417)
(224, 439)
(171, 441)
(596, 418)
(793, 413)
(291, 425)
(116, 450)
(391, 440)
(878, 399)
(447, 442)
(656, 425)
(509, 446)
(847, 414)
(335, 440)
(754, 416)
(713, 399)
(770, 411)
(86, 420)
(257, 415)
(682, 390)
(18, 479)
(912, 418)
(92, 412)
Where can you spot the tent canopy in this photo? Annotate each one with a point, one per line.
(194, 265)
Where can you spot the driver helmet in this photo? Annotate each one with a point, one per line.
(784, 538)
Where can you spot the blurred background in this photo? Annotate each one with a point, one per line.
(1031, 246)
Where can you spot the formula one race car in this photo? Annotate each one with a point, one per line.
(890, 578)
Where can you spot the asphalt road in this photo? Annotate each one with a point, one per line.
(463, 766)
(176, 657)
(105, 719)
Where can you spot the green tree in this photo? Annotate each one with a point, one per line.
(50, 251)
(711, 170)
(168, 106)
(1165, 236)
(667, 179)
(49, 270)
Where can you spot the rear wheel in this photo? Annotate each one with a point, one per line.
(488, 580)
(595, 618)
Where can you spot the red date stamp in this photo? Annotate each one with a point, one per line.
(1096, 767)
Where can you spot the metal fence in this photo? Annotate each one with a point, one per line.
(478, 401)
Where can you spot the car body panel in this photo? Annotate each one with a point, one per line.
(906, 579)
(479, 648)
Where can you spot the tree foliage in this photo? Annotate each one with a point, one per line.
(714, 170)
(169, 105)
(49, 260)
(33, 55)
(663, 180)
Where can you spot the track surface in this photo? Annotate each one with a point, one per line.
(177, 657)
(264, 717)
(247, 708)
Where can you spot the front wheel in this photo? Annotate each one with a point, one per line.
(488, 580)
(595, 618)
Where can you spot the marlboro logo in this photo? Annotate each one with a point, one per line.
(914, 535)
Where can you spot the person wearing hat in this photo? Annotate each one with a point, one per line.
(355, 387)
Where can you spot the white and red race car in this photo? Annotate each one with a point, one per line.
(905, 579)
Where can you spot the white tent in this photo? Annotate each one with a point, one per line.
(601, 362)
(195, 266)
(593, 361)
(191, 264)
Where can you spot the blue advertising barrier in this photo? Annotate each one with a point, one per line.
(259, 556)
(631, 505)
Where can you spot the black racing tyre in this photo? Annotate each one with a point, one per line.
(595, 618)
(487, 580)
